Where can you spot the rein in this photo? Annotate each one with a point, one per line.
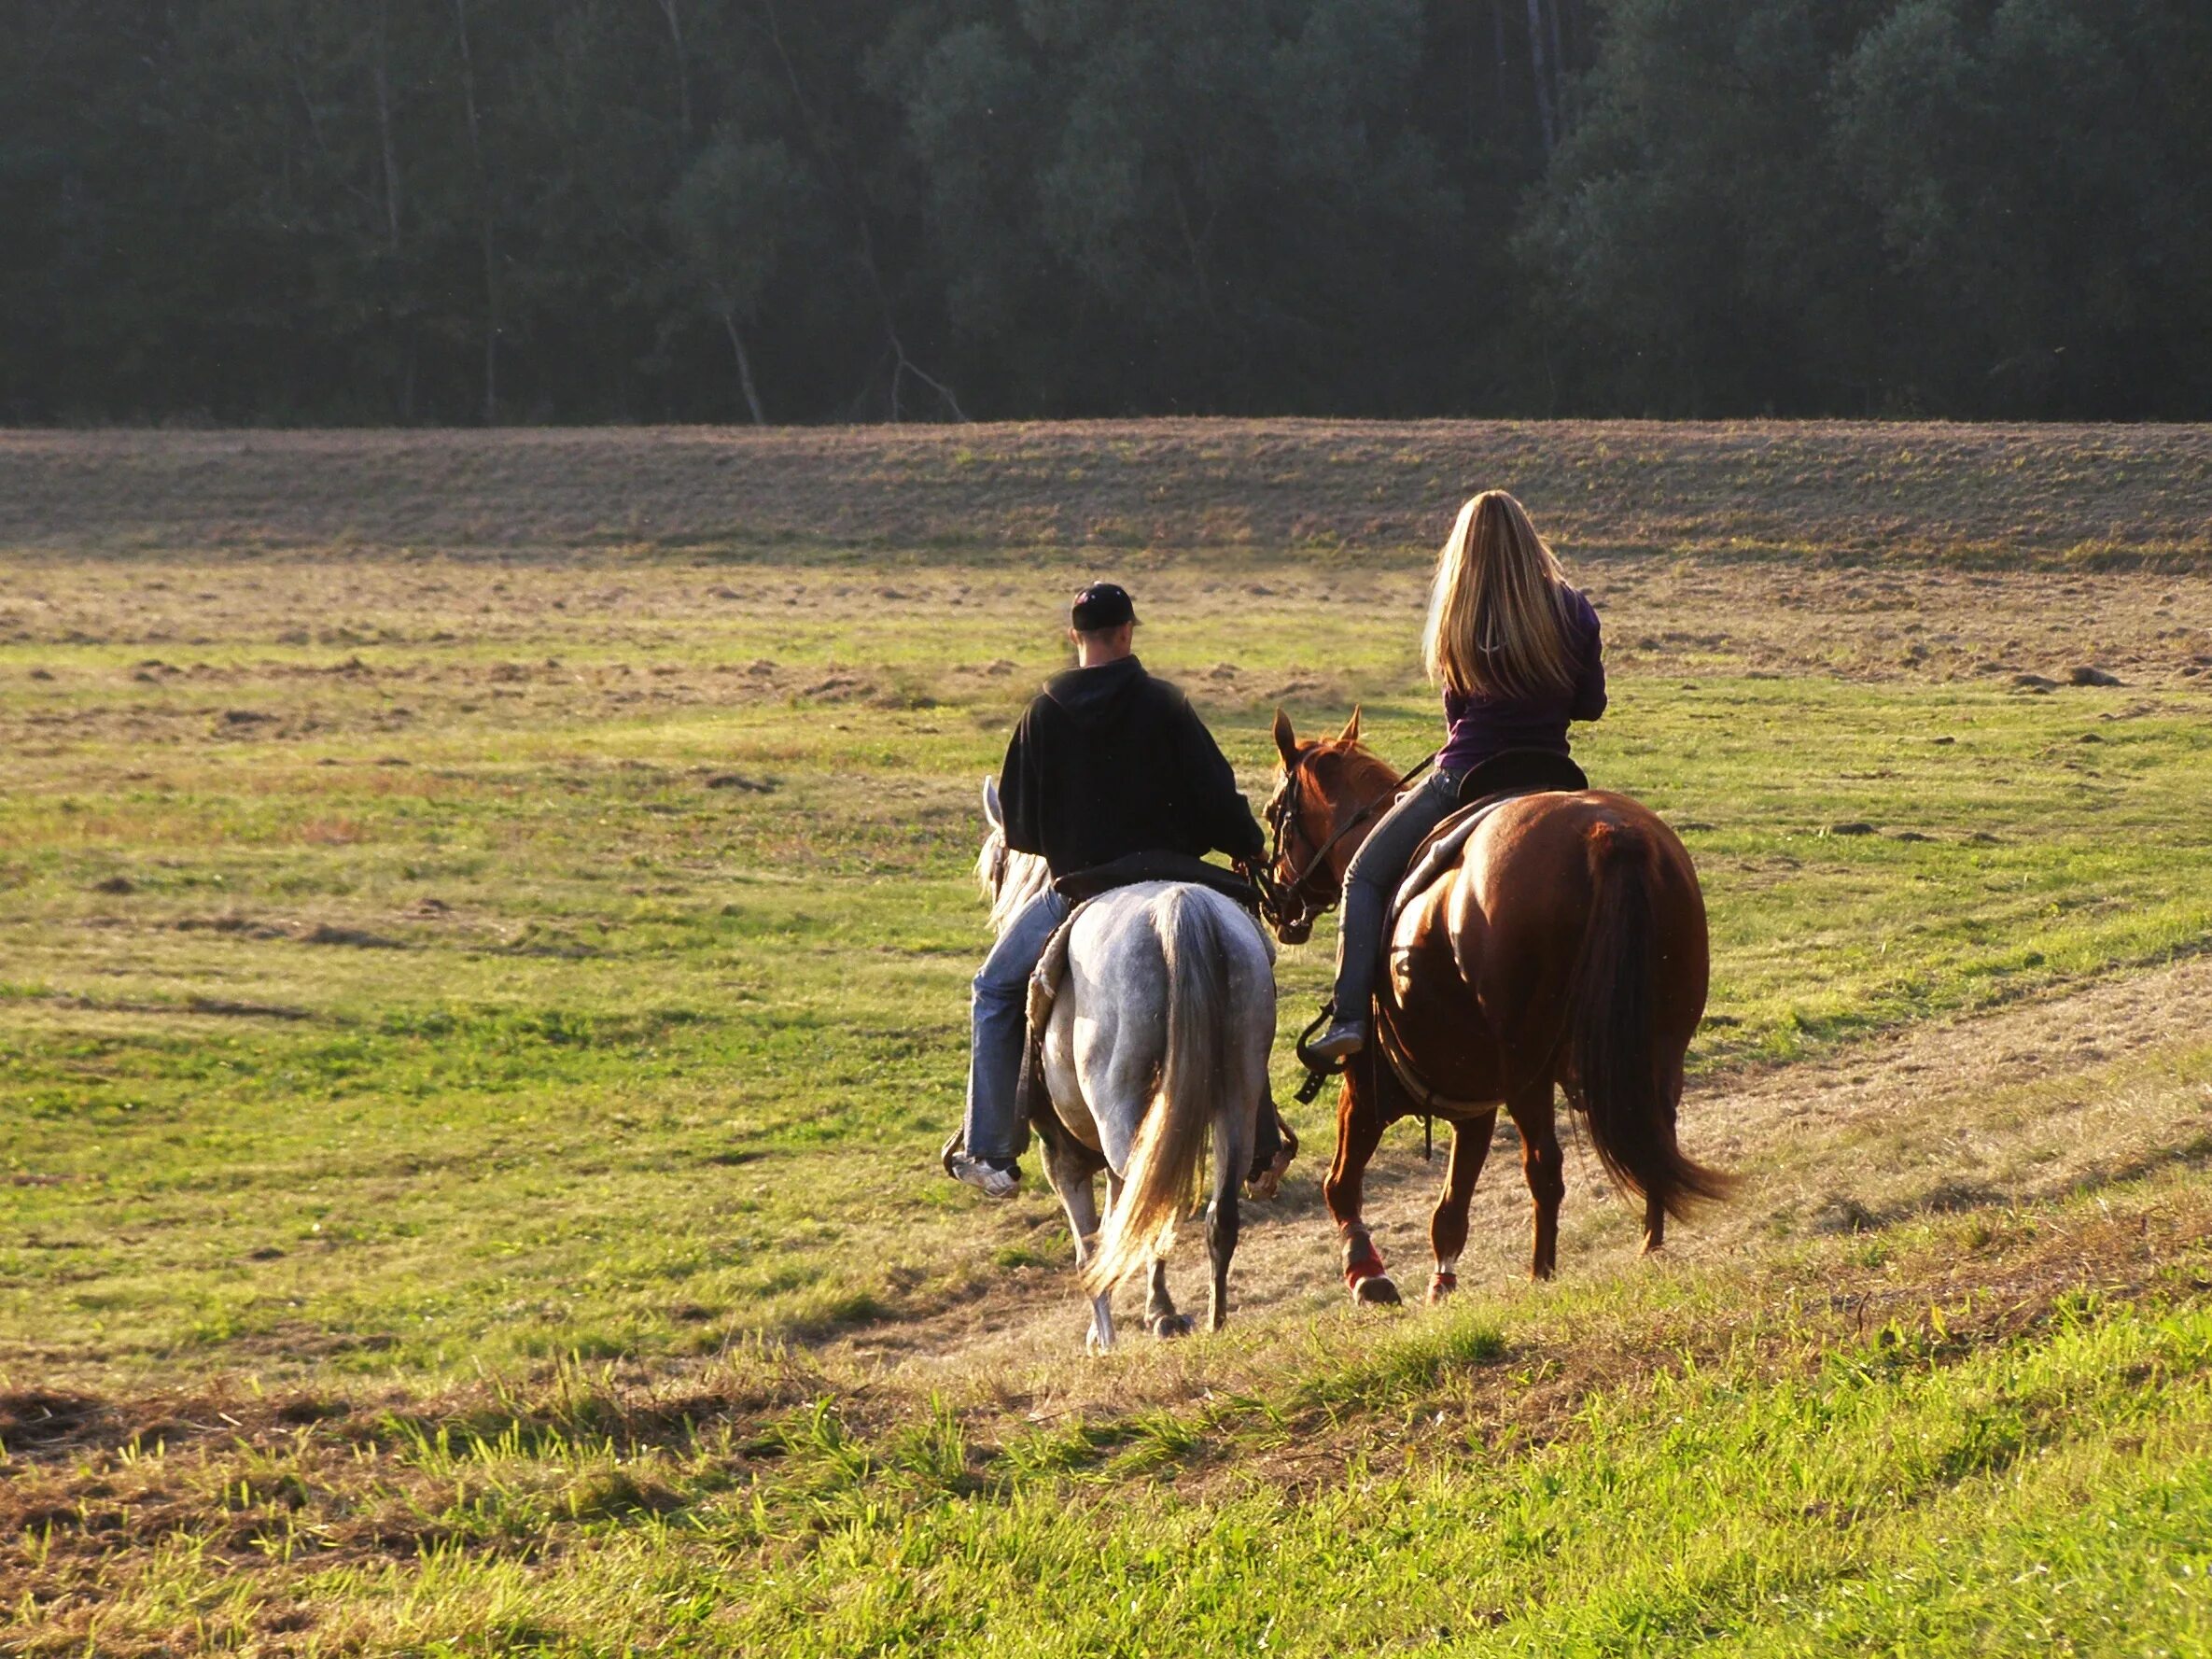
(1277, 897)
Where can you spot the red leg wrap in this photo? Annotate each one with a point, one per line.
(1361, 1260)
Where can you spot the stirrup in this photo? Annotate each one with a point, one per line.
(1341, 1041)
(1320, 1068)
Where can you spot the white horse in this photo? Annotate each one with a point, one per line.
(1160, 1033)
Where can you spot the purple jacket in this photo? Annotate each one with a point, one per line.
(1484, 727)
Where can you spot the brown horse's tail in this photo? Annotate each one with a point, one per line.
(1620, 1077)
(1194, 1064)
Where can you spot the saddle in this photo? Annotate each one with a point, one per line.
(1485, 788)
(1081, 886)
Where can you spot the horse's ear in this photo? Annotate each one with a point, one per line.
(1286, 740)
(993, 814)
(1351, 727)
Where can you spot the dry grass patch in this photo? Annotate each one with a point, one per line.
(1859, 490)
(76, 671)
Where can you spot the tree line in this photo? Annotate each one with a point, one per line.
(420, 211)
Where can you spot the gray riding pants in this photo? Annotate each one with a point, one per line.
(1373, 879)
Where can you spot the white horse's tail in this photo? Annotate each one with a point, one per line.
(1162, 1176)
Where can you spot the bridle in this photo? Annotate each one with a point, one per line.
(1292, 907)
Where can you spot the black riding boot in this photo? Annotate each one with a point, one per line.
(1359, 950)
(1369, 885)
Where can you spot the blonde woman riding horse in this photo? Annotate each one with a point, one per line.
(1560, 945)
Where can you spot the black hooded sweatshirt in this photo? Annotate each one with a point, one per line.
(1108, 762)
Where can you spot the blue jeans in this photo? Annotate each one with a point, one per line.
(1001, 1016)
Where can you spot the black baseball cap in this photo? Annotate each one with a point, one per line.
(1100, 605)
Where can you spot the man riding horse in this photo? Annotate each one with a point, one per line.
(1108, 763)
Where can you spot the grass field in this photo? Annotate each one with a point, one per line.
(484, 926)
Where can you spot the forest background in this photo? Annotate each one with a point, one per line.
(438, 211)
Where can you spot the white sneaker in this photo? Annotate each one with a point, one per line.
(973, 1172)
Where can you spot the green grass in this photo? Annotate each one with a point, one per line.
(603, 1101)
(469, 1036)
(1880, 1504)
(1723, 1461)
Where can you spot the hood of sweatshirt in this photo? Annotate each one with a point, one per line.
(1094, 696)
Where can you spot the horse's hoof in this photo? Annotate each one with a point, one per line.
(1169, 1326)
(1376, 1291)
(1441, 1287)
(1095, 1345)
(1267, 1184)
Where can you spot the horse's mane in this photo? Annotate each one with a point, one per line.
(1358, 774)
(1009, 879)
(1362, 765)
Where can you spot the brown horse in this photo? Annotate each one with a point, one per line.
(1566, 947)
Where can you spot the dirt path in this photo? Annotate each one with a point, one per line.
(2024, 1103)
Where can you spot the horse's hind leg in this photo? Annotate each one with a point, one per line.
(1448, 1225)
(1232, 1154)
(1072, 1178)
(1533, 1115)
(1222, 1223)
(1159, 1307)
(1235, 1133)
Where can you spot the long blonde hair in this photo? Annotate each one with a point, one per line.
(1497, 621)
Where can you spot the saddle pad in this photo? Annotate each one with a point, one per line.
(1045, 979)
(1437, 855)
(1033, 1099)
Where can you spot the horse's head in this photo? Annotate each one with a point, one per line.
(1326, 798)
(1009, 879)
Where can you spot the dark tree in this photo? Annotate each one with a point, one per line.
(574, 210)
